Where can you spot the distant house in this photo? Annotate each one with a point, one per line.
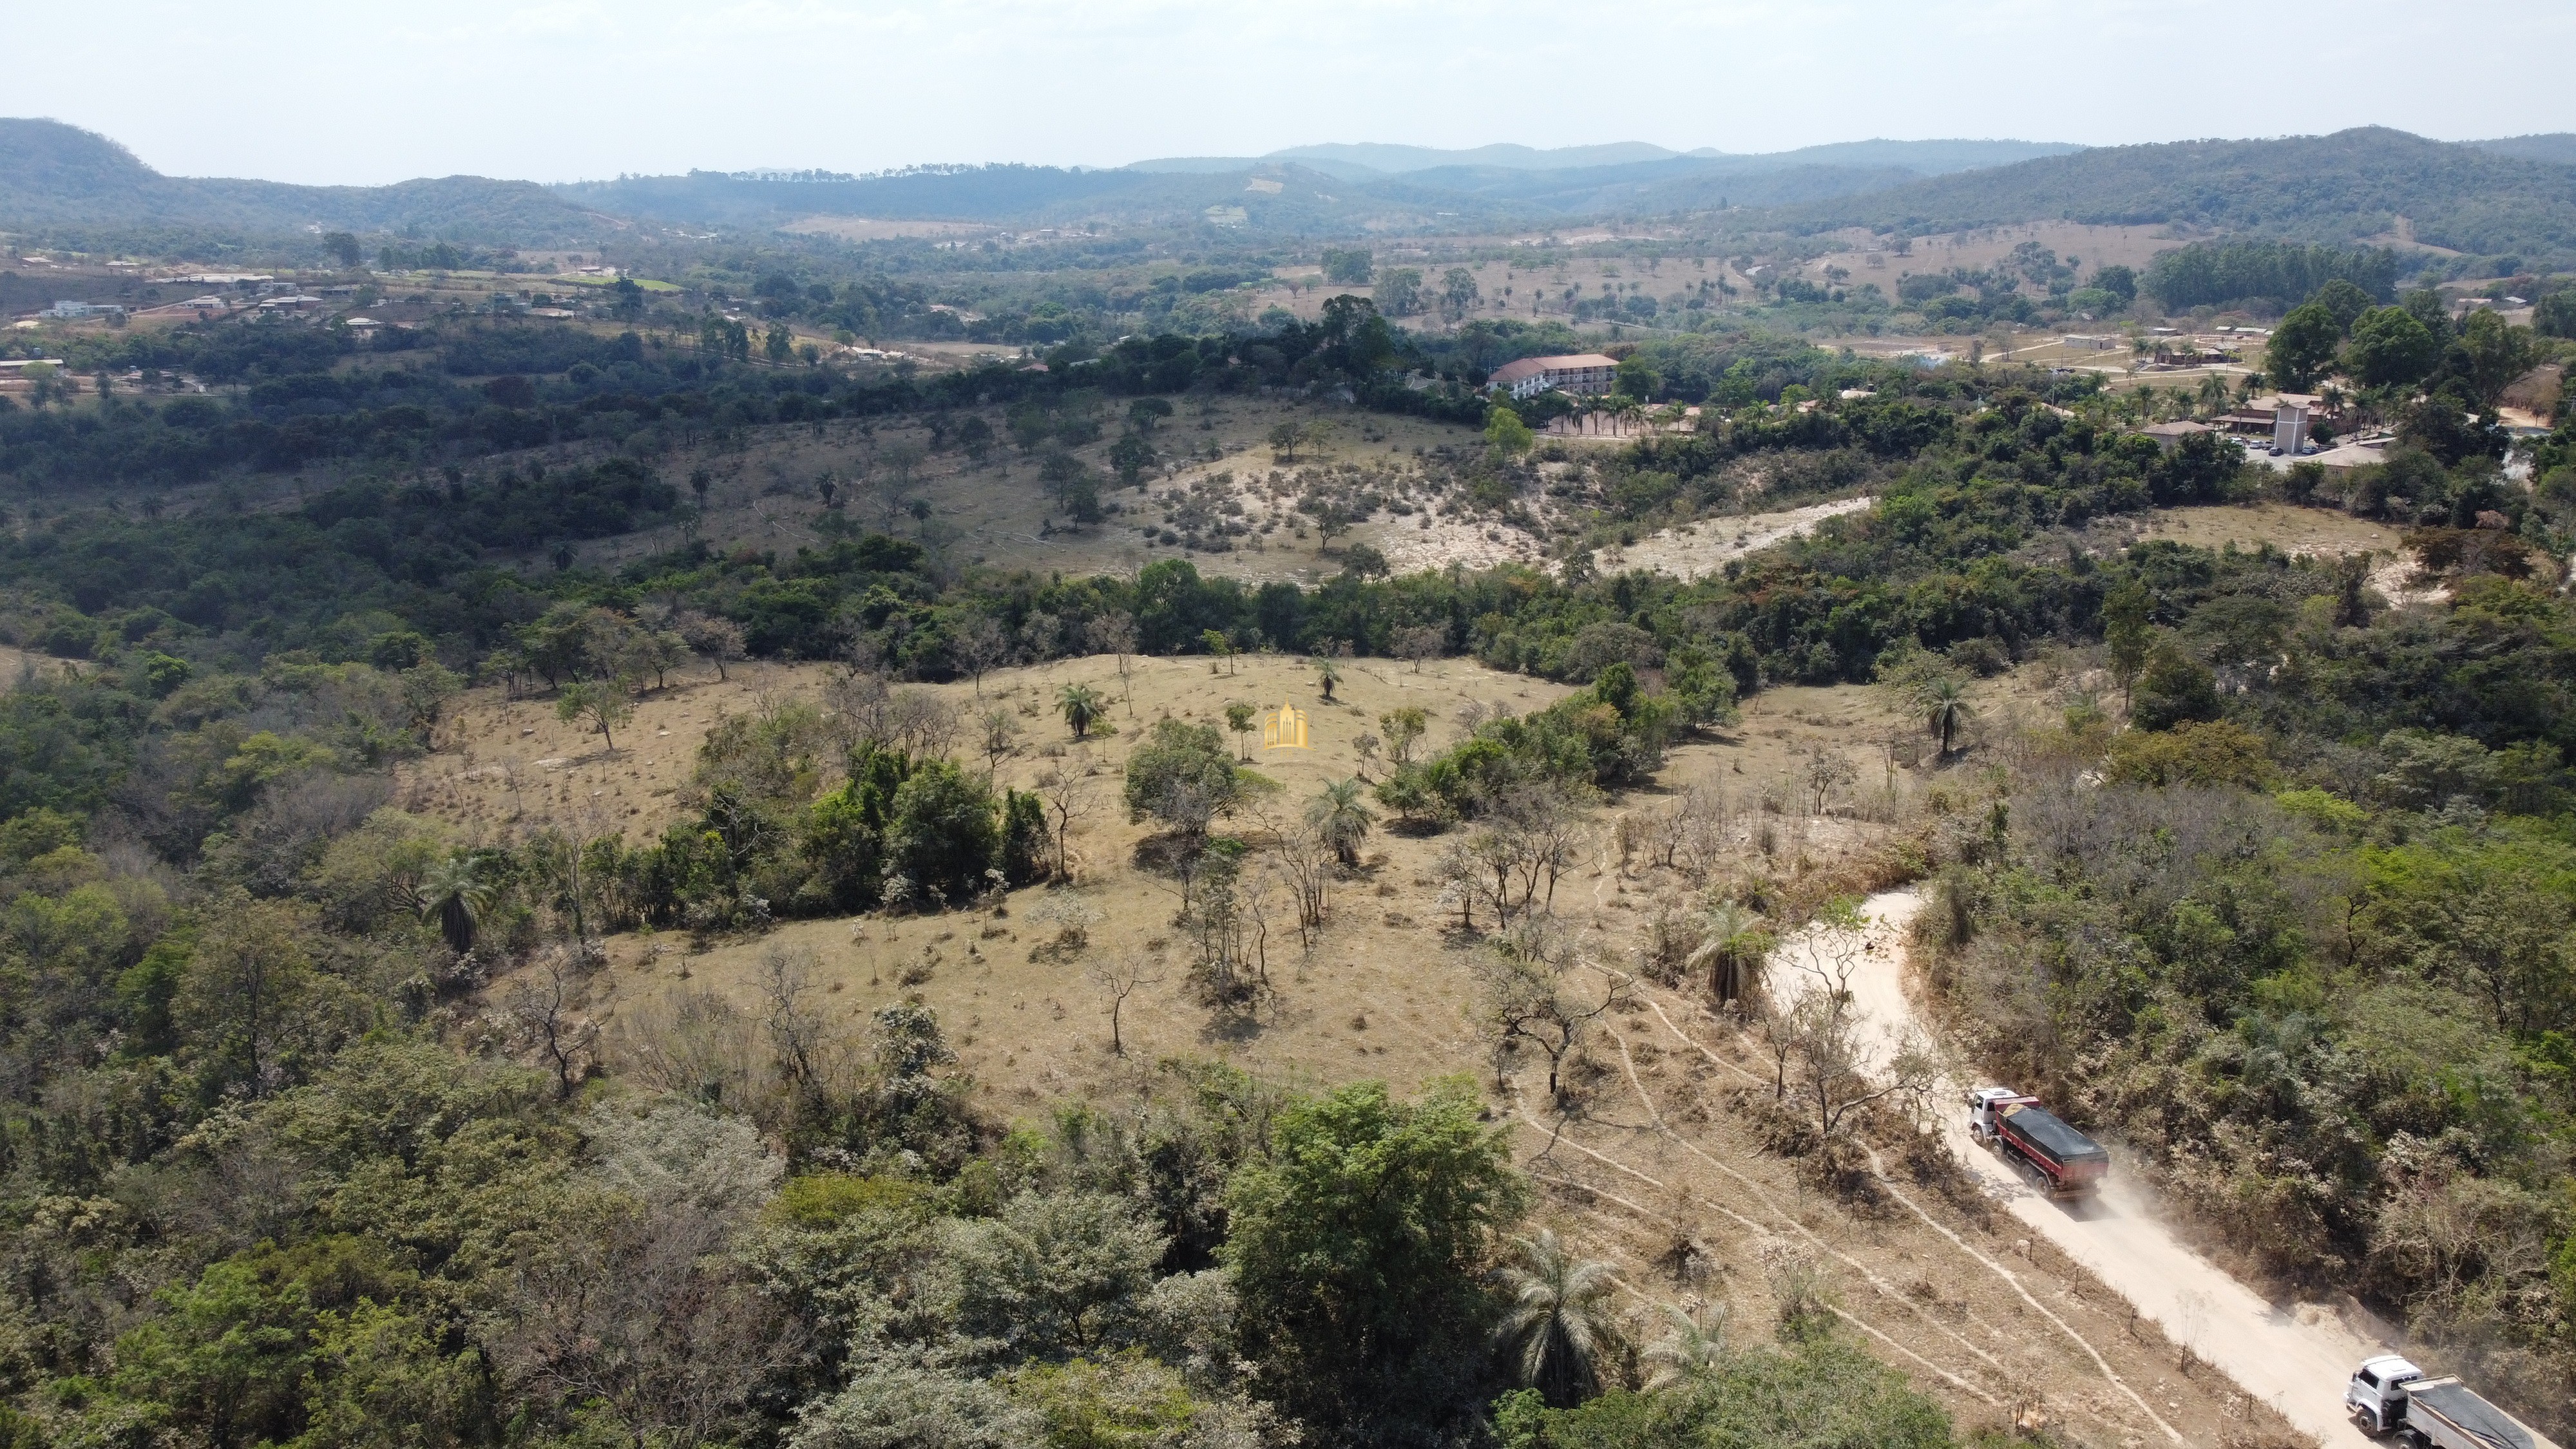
(2192, 352)
(1585, 372)
(2169, 436)
(69, 311)
(2289, 419)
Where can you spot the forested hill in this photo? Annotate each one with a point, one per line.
(2336, 188)
(1324, 188)
(1285, 196)
(2557, 146)
(58, 181)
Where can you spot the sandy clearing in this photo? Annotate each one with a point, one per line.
(1699, 549)
(18, 664)
(2294, 1358)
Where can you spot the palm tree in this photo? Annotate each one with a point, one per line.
(1327, 675)
(1344, 820)
(455, 893)
(2213, 395)
(1732, 945)
(1559, 1329)
(1688, 1352)
(1081, 705)
(1945, 708)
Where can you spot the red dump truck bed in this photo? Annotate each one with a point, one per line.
(2019, 1127)
(2070, 1161)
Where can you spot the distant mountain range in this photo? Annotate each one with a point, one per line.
(2512, 197)
(55, 177)
(1321, 188)
(2489, 198)
(1368, 159)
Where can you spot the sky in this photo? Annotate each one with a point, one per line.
(559, 90)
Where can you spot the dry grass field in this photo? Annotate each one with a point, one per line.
(510, 767)
(2321, 531)
(1654, 1160)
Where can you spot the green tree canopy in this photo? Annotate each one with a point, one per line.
(2303, 346)
(1181, 776)
(1353, 1246)
(2390, 348)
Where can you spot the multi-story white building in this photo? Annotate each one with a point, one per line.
(1579, 372)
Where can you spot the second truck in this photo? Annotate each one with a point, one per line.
(2388, 1395)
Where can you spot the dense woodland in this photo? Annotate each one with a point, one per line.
(2284, 897)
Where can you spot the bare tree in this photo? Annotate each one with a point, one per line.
(859, 701)
(1834, 1078)
(1555, 832)
(1691, 835)
(797, 1033)
(1829, 772)
(1530, 836)
(1527, 995)
(1227, 932)
(920, 723)
(1461, 876)
(1304, 856)
(541, 1003)
(1115, 633)
(562, 860)
(890, 482)
(1424, 641)
(719, 640)
(1119, 979)
(630, 1300)
(1069, 799)
(1001, 732)
(698, 1045)
(979, 643)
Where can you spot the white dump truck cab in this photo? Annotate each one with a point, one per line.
(1984, 1103)
(2377, 1394)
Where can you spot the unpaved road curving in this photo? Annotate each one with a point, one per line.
(2296, 1359)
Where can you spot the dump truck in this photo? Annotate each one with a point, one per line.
(2070, 1163)
(2388, 1396)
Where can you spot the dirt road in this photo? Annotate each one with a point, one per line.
(2295, 1358)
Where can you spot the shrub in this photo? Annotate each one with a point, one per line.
(2193, 752)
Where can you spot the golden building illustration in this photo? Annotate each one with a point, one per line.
(1284, 728)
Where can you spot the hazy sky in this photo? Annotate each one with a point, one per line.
(565, 89)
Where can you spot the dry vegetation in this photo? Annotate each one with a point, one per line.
(1659, 1155)
(768, 493)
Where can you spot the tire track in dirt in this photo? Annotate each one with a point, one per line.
(1885, 1289)
(1604, 1194)
(1750, 1226)
(2099, 1362)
